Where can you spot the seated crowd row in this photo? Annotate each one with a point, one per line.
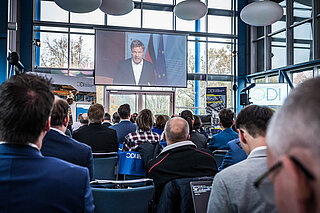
(33, 124)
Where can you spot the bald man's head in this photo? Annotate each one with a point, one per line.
(176, 130)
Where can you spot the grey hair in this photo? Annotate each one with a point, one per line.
(297, 122)
(177, 132)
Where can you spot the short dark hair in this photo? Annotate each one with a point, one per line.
(133, 117)
(124, 111)
(161, 121)
(254, 119)
(145, 120)
(226, 118)
(95, 113)
(25, 106)
(136, 43)
(188, 116)
(107, 116)
(83, 120)
(59, 112)
(115, 117)
(197, 122)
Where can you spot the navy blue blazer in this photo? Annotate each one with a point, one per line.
(123, 128)
(30, 182)
(66, 148)
(125, 76)
(234, 155)
(220, 140)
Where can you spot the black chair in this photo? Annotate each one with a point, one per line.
(218, 156)
(105, 166)
(123, 196)
(200, 191)
(176, 196)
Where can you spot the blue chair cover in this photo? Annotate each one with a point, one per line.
(120, 148)
(131, 163)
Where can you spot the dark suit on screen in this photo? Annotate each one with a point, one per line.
(30, 182)
(54, 144)
(125, 76)
(123, 128)
(100, 138)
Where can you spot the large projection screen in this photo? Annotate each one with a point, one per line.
(140, 59)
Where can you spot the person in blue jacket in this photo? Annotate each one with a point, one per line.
(220, 140)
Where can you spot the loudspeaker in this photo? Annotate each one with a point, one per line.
(244, 99)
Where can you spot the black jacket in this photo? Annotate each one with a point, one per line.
(100, 138)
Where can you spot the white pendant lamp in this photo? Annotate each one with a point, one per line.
(261, 13)
(79, 6)
(117, 7)
(190, 10)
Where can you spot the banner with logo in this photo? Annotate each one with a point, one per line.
(216, 98)
(269, 94)
(131, 163)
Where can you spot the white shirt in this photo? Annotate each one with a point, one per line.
(259, 148)
(59, 131)
(137, 69)
(177, 144)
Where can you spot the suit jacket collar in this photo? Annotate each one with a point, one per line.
(19, 150)
(258, 153)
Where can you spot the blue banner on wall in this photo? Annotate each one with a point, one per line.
(216, 99)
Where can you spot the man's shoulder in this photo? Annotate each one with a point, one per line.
(62, 165)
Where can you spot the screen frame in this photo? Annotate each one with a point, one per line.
(142, 32)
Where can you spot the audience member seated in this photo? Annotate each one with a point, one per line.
(57, 144)
(83, 121)
(234, 155)
(197, 126)
(29, 181)
(125, 126)
(180, 159)
(198, 139)
(232, 188)
(220, 140)
(115, 118)
(294, 151)
(106, 120)
(133, 117)
(160, 123)
(100, 138)
(77, 123)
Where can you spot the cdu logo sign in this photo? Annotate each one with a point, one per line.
(133, 155)
(269, 94)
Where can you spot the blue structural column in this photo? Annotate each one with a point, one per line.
(197, 70)
(3, 39)
(242, 53)
(37, 34)
(26, 34)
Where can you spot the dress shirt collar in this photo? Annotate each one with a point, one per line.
(257, 149)
(57, 130)
(28, 144)
(178, 144)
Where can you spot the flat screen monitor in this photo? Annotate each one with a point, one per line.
(140, 59)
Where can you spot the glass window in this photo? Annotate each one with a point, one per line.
(191, 57)
(80, 73)
(158, 104)
(259, 80)
(226, 4)
(54, 50)
(157, 19)
(302, 10)
(118, 99)
(302, 43)
(219, 24)
(50, 11)
(95, 17)
(61, 29)
(81, 51)
(273, 79)
(282, 22)
(159, 1)
(299, 77)
(219, 58)
(131, 19)
(278, 50)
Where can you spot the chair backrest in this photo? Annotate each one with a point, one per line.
(105, 168)
(200, 191)
(104, 154)
(133, 200)
(176, 196)
(219, 155)
(131, 163)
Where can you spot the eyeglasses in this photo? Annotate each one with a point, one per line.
(265, 186)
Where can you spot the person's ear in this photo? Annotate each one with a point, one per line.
(66, 121)
(242, 136)
(298, 182)
(164, 136)
(233, 122)
(188, 138)
(47, 125)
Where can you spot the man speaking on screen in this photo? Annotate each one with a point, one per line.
(135, 70)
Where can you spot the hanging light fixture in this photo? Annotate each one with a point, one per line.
(117, 7)
(261, 13)
(79, 6)
(190, 10)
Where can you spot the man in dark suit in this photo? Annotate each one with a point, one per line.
(135, 70)
(106, 120)
(57, 144)
(30, 182)
(100, 138)
(125, 126)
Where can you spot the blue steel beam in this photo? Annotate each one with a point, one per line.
(197, 69)
(26, 34)
(3, 40)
